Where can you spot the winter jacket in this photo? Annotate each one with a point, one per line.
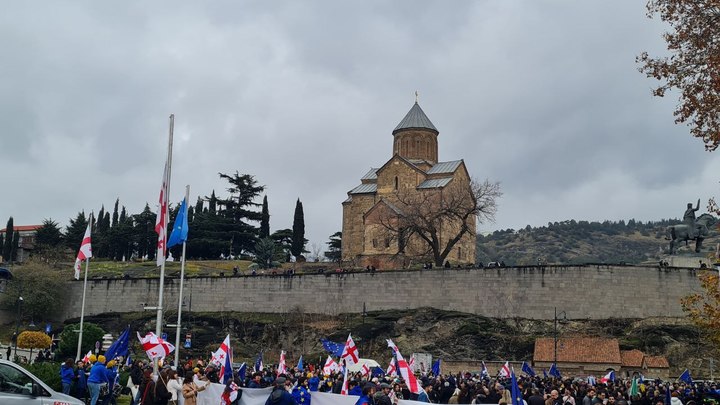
(67, 374)
(280, 397)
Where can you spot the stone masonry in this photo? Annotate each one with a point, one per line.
(583, 292)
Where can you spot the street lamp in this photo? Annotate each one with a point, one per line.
(17, 323)
(555, 331)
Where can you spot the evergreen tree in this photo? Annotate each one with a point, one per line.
(115, 213)
(99, 237)
(265, 219)
(2, 242)
(283, 241)
(49, 235)
(265, 252)
(15, 246)
(75, 231)
(298, 239)
(7, 246)
(334, 252)
(145, 237)
(212, 203)
(199, 205)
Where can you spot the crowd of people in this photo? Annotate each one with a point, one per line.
(97, 382)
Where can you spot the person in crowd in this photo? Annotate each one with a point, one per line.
(146, 393)
(366, 395)
(279, 395)
(67, 376)
(190, 389)
(97, 377)
(301, 393)
(424, 395)
(110, 375)
(80, 381)
(174, 386)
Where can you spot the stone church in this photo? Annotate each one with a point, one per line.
(405, 187)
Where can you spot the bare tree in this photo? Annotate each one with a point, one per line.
(435, 220)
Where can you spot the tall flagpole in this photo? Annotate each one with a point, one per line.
(82, 308)
(159, 320)
(182, 281)
(82, 313)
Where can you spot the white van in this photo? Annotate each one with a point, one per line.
(18, 386)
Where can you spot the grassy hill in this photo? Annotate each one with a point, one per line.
(575, 242)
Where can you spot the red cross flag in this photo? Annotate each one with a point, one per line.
(85, 251)
(161, 219)
(330, 366)
(350, 352)
(505, 370)
(365, 370)
(391, 371)
(281, 365)
(404, 370)
(345, 387)
(154, 346)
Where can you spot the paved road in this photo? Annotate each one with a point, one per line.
(20, 352)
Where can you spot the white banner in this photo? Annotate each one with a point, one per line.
(255, 396)
(210, 395)
(326, 398)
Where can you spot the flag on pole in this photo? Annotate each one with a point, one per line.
(218, 357)
(85, 251)
(505, 370)
(484, 371)
(404, 370)
(128, 361)
(330, 366)
(87, 357)
(154, 346)
(634, 391)
(336, 349)
(365, 370)
(344, 390)
(527, 369)
(608, 377)
(392, 368)
(161, 219)
(685, 377)
(242, 372)
(226, 371)
(436, 368)
(300, 364)
(259, 362)
(668, 398)
(180, 228)
(350, 352)
(554, 371)
(120, 347)
(281, 365)
(590, 380)
(517, 398)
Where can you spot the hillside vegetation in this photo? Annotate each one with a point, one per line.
(576, 242)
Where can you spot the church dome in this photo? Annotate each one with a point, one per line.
(415, 119)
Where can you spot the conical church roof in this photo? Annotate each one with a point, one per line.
(415, 119)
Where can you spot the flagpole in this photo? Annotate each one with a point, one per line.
(159, 325)
(82, 311)
(82, 308)
(182, 282)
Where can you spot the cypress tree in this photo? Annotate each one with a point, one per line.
(2, 243)
(115, 213)
(212, 204)
(15, 246)
(298, 239)
(199, 206)
(265, 220)
(7, 247)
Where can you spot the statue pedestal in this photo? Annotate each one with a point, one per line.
(689, 260)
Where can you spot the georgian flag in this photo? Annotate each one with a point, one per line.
(345, 387)
(350, 352)
(87, 357)
(505, 370)
(218, 357)
(365, 370)
(407, 375)
(161, 219)
(330, 366)
(281, 365)
(391, 370)
(154, 346)
(85, 251)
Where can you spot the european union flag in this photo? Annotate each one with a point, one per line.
(180, 227)
(685, 377)
(668, 400)
(436, 368)
(300, 364)
(242, 371)
(120, 347)
(527, 369)
(554, 371)
(228, 376)
(335, 349)
(259, 362)
(517, 398)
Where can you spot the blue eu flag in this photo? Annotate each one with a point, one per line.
(180, 228)
(335, 349)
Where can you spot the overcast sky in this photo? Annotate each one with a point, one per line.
(542, 96)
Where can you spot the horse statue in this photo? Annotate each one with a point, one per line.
(682, 233)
